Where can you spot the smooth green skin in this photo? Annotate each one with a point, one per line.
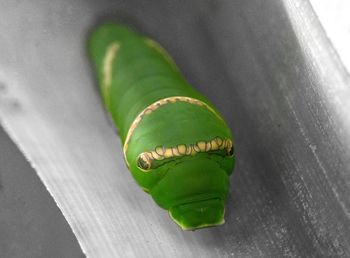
(192, 188)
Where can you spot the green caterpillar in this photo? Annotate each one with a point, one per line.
(175, 143)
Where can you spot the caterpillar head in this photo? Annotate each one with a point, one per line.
(194, 192)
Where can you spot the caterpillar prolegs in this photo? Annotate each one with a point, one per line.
(175, 143)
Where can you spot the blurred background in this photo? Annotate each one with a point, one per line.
(277, 70)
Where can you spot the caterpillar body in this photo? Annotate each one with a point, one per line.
(175, 143)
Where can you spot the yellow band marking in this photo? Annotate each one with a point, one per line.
(155, 45)
(107, 71)
(151, 108)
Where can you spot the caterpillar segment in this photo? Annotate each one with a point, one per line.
(158, 104)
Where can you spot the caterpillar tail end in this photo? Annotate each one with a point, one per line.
(197, 215)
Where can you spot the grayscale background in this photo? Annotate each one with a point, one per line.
(278, 70)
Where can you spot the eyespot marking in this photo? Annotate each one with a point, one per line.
(145, 159)
(144, 162)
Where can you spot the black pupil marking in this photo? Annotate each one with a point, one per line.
(231, 151)
(142, 163)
